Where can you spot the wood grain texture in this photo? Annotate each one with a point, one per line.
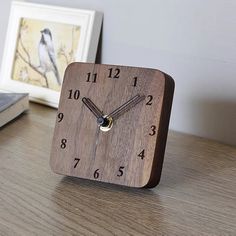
(196, 195)
(130, 134)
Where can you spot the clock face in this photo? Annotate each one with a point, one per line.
(110, 124)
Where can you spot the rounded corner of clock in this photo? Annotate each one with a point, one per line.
(151, 183)
(144, 184)
(52, 166)
(169, 81)
(72, 64)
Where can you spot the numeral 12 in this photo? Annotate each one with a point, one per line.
(114, 73)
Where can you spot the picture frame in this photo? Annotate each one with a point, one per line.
(41, 41)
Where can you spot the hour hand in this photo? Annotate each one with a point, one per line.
(126, 106)
(92, 107)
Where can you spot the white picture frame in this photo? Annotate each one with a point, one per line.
(89, 23)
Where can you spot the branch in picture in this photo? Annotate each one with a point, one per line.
(69, 55)
(26, 58)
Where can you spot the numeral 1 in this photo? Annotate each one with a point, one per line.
(135, 81)
(92, 77)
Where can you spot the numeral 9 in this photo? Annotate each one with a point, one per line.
(60, 117)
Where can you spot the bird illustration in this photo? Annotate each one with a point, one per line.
(47, 56)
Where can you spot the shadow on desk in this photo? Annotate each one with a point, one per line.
(111, 206)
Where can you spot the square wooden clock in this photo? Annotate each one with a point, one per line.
(112, 124)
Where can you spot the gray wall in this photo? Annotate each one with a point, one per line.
(194, 41)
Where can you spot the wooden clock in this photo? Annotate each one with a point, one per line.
(112, 124)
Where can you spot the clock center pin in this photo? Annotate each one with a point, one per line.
(105, 123)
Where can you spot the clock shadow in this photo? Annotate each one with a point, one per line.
(91, 185)
(113, 204)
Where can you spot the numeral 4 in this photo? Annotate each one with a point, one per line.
(141, 154)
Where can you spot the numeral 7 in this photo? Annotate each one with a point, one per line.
(76, 162)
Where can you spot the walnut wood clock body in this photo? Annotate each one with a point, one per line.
(95, 140)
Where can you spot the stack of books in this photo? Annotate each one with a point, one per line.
(12, 105)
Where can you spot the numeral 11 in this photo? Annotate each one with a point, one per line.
(91, 77)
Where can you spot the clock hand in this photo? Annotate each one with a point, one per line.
(104, 122)
(126, 106)
(92, 107)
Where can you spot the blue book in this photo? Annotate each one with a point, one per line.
(12, 105)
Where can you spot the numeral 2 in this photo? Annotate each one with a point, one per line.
(114, 73)
(149, 102)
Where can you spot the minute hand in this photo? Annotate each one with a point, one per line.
(126, 106)
(92, 107)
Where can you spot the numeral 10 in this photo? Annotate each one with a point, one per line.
(74, 94)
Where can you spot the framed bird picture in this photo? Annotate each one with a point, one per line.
(41, 42)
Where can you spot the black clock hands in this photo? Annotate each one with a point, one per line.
(106, 121)
(126, 106)
(103, 121)
(92, 107)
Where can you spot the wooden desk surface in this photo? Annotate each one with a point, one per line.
(196, 196)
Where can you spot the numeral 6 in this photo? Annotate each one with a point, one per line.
(96, 174)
